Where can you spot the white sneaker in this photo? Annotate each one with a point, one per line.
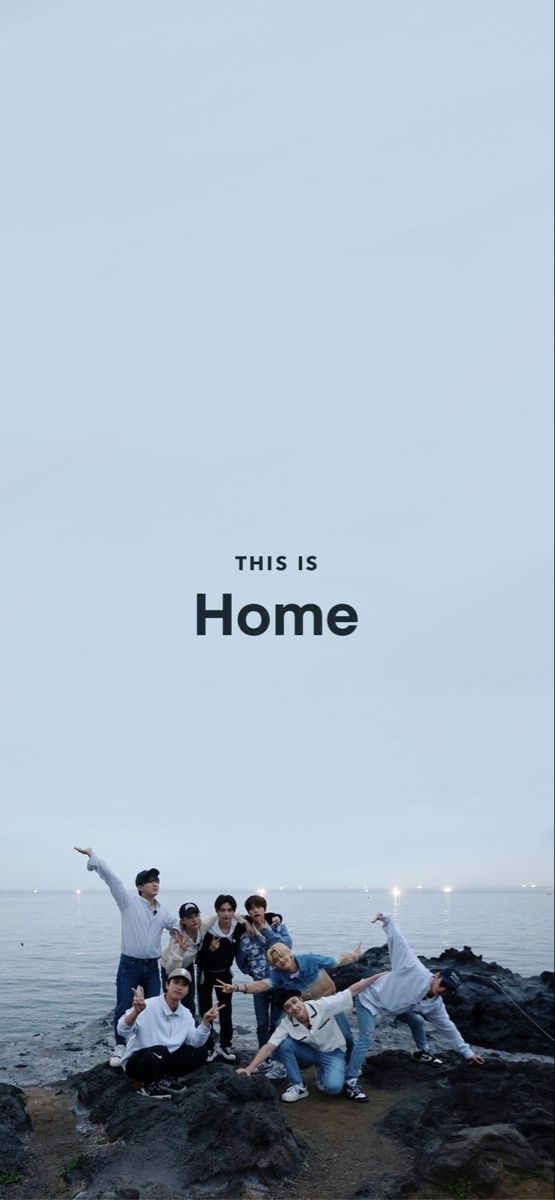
(354, 1092)
(116, 1056)
(297, 1091)
(227, 1053)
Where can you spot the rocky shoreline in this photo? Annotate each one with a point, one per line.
(77, 1130)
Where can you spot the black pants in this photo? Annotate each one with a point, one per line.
(156, 1062)
(206, 985)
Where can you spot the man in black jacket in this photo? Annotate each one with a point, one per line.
(214, 961)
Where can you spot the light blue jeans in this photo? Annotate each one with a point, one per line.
(366, 1027)
(345, 1027)
(417, 1026)
(330, 1066)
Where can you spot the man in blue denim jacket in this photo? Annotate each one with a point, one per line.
(263, 930)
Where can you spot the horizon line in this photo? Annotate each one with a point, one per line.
(292, 889)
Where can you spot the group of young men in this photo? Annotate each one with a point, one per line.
(301, 1020)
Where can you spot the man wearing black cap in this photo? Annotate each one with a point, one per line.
(142, 922)
(182, 949)
(409, 988)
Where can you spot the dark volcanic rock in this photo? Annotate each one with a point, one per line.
(474, 1122)
(224, 1130)
(14, 1123)
(484, 1008)
(478, 1156)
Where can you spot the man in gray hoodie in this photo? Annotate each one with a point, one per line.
(408, 988)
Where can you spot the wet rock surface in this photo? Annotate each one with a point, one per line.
(484, 1007)
(225, 1132)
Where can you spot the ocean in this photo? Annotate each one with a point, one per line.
(60, 950)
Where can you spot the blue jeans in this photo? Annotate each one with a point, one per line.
(330, 1065)
(366, 1027)
(417, 1026)
(132, 973)
(268, 1015)
(345, 1027)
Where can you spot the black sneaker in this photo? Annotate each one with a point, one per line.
(153, 1091)
(424, 1056)
(227, 1053)
(174, 1086)
(354, 1092)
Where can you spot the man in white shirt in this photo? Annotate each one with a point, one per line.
(408, 988)
(142, 920)
(310, 1036)
(162, 1041)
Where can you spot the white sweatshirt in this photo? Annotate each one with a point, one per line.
(159, 1025)
(405, 989)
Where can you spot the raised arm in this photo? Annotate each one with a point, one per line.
(278, 932)
(117, 888)
(402, 956)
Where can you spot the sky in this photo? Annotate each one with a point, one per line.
(276, 280)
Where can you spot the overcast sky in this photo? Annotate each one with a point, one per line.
(276, 280)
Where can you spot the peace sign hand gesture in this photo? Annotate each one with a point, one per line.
(139, 1002)
(211, 1014)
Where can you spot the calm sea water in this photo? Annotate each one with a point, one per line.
(59, 951)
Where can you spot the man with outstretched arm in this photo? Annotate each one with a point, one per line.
(142, 920)
(310, 1035)
(305, 973)
(408, 988)
(162, 1040)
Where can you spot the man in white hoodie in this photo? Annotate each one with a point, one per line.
(408, 988)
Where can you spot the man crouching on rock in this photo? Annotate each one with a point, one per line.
(162, 1040)
(310, 1036)
(408, 988)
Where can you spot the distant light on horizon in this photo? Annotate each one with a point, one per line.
(77, 891)
(396, 891)
(419, 887)
(261, 891)
(35, 891)
(447, 889)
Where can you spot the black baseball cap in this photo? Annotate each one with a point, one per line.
(189, 909)
(150, 876)
(450, 979)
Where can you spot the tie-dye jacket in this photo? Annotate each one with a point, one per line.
(251, 953)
